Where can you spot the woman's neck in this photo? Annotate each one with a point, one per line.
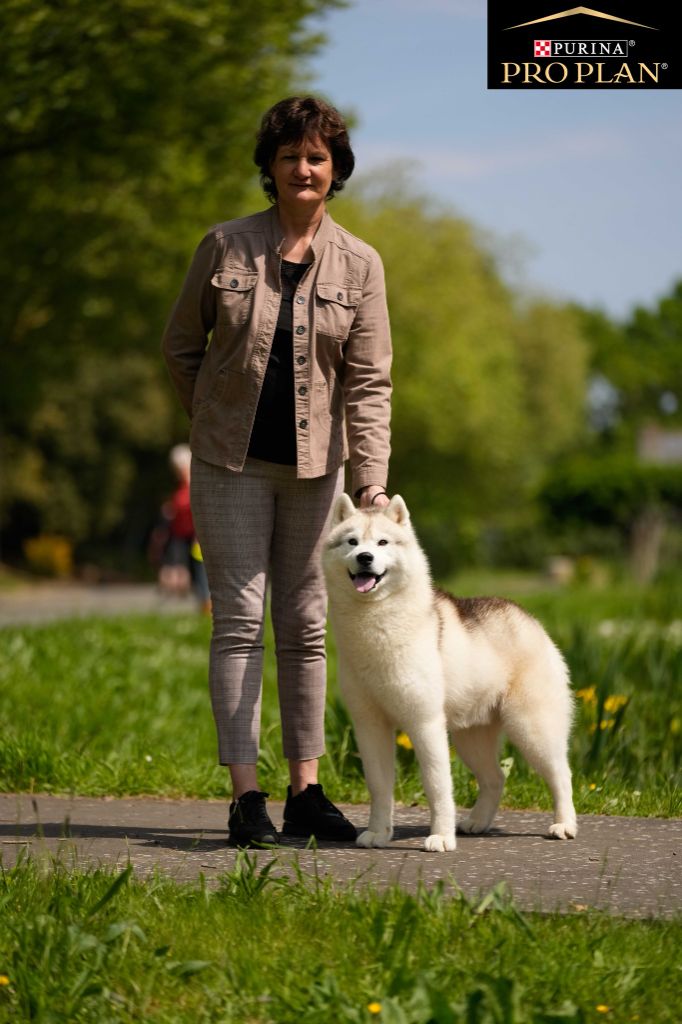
(299, 228)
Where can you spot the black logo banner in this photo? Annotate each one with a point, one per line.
(604, 44)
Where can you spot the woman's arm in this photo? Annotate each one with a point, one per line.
(367, 387)
(191, 321)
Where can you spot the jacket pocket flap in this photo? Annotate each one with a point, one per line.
(234, 280)
(339, 293)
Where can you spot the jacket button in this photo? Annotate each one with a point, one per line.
(303, 424)
(234, 282)
(300, 360)
(339, 296)
(300, 299)
(300, 329)
(303, 390)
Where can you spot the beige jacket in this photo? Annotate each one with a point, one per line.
(341, 338)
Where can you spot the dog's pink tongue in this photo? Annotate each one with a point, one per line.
(363, 583)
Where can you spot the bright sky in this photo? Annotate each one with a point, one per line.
(582, 189)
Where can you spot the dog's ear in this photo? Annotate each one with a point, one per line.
(343, 509)
(397, 511)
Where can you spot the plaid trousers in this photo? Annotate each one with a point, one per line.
(258, 526)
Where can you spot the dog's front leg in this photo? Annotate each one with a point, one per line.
(430, 741)
(376, 743)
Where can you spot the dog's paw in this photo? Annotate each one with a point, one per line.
(563, 830)
(439, 844)
(370, 839)
(472, 827)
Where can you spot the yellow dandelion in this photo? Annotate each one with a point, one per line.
(602, 1008)
(404, 741)
(674, 725)
(375, 1007)
(593, 786)
(4, 980)
(606, 723)
(588, 694)
(615, 702)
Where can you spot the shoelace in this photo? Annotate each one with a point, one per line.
(252, 807)
(322, 801)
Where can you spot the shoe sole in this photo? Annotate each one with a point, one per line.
(252, 844)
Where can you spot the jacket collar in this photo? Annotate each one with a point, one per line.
(275, 234)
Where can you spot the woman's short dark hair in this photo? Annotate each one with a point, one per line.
(298, 118)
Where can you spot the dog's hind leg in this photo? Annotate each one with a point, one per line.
(376, 743)
(430, 741)
(542, 738)
(478, 747)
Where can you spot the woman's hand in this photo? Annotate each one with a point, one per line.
(373, 496)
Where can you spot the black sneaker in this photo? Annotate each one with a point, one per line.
(249, 823)
(310, 813)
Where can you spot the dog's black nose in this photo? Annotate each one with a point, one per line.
(365, 558)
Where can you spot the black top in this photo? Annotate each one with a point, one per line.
(273, 437)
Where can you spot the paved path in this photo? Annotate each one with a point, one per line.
(625, 866)
(32, 603)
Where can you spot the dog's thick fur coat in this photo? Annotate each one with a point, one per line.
(414, 658)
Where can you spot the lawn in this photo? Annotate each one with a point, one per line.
(99, 948)
(120, 706)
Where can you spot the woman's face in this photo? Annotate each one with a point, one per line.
(302, 172)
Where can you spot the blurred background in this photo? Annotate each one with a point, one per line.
(531, 245)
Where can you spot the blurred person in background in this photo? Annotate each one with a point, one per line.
(174, 544)
(279, 348)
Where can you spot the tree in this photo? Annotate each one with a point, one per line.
(125, 131)
(488, 387)
(636, 384)
(640, 359)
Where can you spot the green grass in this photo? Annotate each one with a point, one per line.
(121, 706)
(99, 947)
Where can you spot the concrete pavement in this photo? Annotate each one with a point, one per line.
(624, 866)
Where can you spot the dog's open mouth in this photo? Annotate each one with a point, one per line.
(366, 581)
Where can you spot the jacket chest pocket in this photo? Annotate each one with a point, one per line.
(234, 295)
(335, 309)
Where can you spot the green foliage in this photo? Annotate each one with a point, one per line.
(99, 946)
(477, 375)
(124, 133)
(641, 359)
(609, 491)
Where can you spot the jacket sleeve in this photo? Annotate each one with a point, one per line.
(191, 320)
(367, 383)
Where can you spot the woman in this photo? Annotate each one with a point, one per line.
(295, 379)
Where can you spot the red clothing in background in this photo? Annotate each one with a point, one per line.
(181, 524)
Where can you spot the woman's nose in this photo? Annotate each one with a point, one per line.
(302, 168)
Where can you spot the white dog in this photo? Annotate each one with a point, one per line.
(414, 658)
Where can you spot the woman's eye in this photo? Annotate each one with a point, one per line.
(352, 541)
(382, 542)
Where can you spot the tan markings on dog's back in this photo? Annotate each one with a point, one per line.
(474, 611)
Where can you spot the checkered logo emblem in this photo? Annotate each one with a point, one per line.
(543, 48)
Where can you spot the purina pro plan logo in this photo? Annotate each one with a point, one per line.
(540, 44)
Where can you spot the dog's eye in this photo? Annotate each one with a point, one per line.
(382, 542)
(352, 541)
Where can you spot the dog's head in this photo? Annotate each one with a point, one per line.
(369, 552)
